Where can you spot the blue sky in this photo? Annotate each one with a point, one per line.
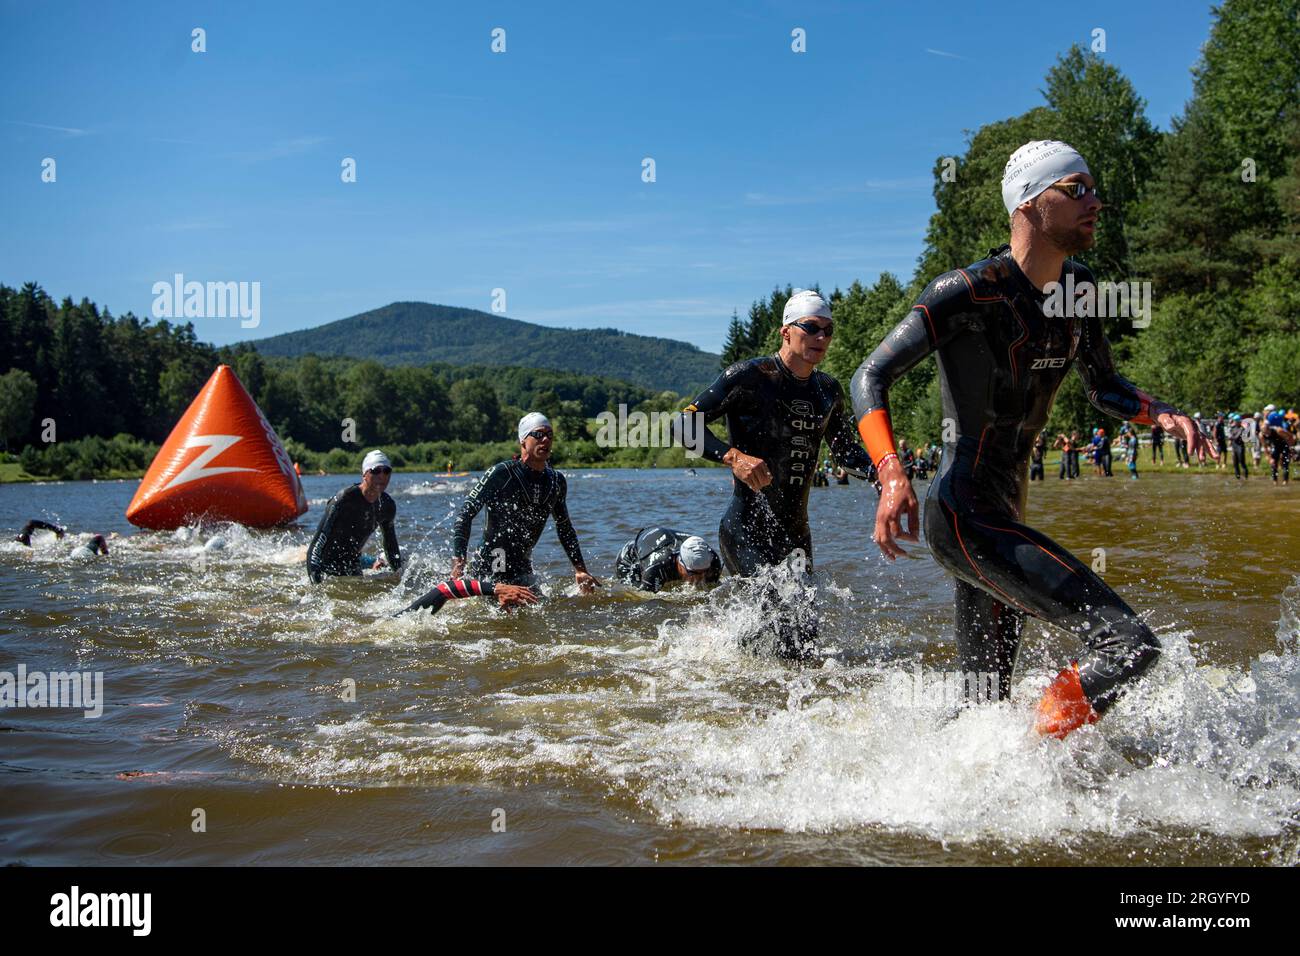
(519, 170)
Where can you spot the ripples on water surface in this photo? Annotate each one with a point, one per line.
(618, 728)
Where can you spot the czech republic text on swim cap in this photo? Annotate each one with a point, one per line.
(1034, 167)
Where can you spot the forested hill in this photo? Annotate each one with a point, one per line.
(417, 333)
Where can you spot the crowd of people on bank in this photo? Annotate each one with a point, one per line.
(1271, 433)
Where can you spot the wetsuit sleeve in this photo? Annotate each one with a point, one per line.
(564, 527)
(933, 321)
(722, 396)
(844, 441)
(36, 524)
(1107, 389)
(388, 531)
(480, 495)
(316, 550)
(445, 591)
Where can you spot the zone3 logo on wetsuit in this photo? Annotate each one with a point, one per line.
(987, 325)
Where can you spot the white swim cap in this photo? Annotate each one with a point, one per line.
(696, 554)
(531, 422)
(375, 459)
(804, 303)
(1034, 167)
(215, 543)
(81, 553)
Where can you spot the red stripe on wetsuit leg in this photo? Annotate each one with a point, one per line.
(445, 589)
(934, 339)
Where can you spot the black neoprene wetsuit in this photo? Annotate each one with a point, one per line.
(449, 590)
(519, 499)
(345, 527)
(1001, 361)
(649, 561)
(24, 537)
(781, 419)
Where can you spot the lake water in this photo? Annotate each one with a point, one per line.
(615, 728)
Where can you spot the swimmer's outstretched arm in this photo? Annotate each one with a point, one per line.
(569, 538)
(848, 453)
(388, 533)
(935, 320)
(507, 595)
(36, 524)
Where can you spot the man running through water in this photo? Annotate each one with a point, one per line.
(350, 519)
(660, 556)
(1001, 361)
(778, 409)
(519, 496)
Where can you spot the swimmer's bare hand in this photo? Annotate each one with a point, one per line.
(512, 595)
(897, 501)
(586, 583)
(457, 568)
(1176, 423)
(380, 563)
(752, 471)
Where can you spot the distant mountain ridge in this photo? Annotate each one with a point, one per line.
(416, 333)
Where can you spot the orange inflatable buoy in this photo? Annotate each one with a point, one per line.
(223, 462)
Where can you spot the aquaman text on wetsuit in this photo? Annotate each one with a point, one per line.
(781, 419)
(1001, 361)
(345, 527)
(518, 500)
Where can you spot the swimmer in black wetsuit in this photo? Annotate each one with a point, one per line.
(519, 496)
(507, 595)
(350, 519)
(778, 409)
(1001, 360)
(660, 556)
(24, 537)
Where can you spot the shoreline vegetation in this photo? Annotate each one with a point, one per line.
(12, 471)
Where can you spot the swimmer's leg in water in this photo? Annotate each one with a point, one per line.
(1024, 570)
(748, 546)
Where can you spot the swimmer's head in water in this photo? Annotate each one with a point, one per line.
(694, 559)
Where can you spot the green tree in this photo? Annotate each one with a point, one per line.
(17, 404)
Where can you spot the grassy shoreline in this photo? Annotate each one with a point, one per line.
(12, 472)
